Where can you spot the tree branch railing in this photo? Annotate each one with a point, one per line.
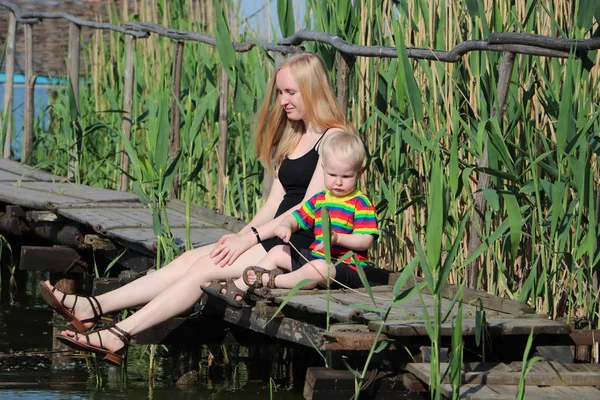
(504, 42)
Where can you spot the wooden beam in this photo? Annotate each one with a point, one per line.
(9, 69)
(29, 93)
(222, 145)
(175, 111)
(344, 62)
(53, 259)
(126, 122)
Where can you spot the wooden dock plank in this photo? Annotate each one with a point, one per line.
(145, 238)
(137, 216)
(541, 374)
(495, 327)
(12, 193)
(317, 305)
(88, 193)
(28, 173)
(6, 176)
(509, 392)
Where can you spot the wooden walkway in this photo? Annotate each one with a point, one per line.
(43, 206)
(73, 220)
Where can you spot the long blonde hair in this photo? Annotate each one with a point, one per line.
(276, 135)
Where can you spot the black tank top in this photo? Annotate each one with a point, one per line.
(295, 176)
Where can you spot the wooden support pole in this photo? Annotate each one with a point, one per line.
(126, 122)
(29, 86)
(73, 59)
(483, 179)
(9, 83)
(73, 70)
(175, 111)
(222, 149)
(345, 62)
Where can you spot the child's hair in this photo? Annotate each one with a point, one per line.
(346, 147)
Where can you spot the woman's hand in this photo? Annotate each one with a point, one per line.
(230, 247)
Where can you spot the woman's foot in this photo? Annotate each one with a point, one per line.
(81, 311)
(110, 343)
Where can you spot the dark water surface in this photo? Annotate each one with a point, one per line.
(31, 370)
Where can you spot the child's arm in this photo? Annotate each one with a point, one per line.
(353, 241)
(288, 226)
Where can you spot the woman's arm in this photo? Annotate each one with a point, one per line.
(316, 185)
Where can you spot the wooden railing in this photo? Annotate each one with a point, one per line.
(507, 43)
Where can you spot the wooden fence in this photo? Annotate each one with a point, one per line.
(509, 44)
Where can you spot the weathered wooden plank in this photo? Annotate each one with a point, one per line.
(507, 392)
(495, 327)
(14, 194)
(88, 193)
(138, 216)
(317, 306)
(473, 297)
(258, 319)
(541, 374)
(6, 176)
(209, 216)
(144, 238)
(25, 172)
(54, 259)
(348, 340)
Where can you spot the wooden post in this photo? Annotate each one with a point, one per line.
(175, 111)
(73, 59)
(73, 70)
(29, 86)
(9, 82)
(222, 146)
(483, 179)
(344, 64)
(128, 78)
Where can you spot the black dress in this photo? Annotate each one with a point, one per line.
(295, 175)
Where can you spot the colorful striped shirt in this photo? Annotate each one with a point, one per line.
(352, 213)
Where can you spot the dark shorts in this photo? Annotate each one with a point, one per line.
(344, 273)
(301, 239)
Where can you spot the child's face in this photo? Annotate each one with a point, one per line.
(340, 177)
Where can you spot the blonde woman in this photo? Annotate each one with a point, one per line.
(298, 110)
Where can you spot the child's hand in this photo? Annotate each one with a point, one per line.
(284, 233)
(321, 246)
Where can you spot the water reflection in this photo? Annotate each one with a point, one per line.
(30, 369)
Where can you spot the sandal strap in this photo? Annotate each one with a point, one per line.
(95, 306)
(272, 275)
(124, 336)
(258, 272)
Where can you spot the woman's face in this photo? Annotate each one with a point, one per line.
(288, 94)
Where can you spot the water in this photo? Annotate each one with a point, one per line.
(30, 370)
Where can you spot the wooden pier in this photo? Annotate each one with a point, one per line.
(59, 225)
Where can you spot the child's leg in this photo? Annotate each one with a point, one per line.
(277, 257)
(316, 271)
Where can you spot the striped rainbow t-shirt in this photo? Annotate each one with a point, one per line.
(352, 213)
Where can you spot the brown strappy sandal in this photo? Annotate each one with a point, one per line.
(229, 297)
(258, 272)
(69, 314)
(112, 357)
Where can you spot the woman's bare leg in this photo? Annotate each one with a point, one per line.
(177, 298)
(141, 290)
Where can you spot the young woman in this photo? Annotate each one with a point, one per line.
(298, 110)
